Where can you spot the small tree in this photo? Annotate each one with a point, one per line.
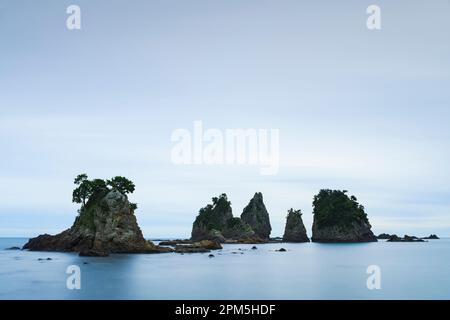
(84, 190)
(121, 184)
(98, 185)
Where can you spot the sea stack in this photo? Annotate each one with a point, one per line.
(106, 224)
(216, 222)
(339, 218)
(295, 230)
(256, 216)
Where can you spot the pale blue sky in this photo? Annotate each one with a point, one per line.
(362, 110)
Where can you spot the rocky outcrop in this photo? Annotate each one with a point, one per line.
(406, 238)
(106, 224)
(189, 246)
(200, 246)
(256, 216)
(237, 229)
(431, 237)
(174, 242)
(216, 222)
(339, 218)
(295, 230)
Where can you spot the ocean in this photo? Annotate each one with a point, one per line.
(304, 271)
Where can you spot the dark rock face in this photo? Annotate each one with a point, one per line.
(432, 237)
(295, 230)
(238, 230)
(174, 242)
(383, 236)
(256, 216)
(338, 218)
(406, 238)
(200, 246)
(106, 224)
(216, 222)
(212, 219)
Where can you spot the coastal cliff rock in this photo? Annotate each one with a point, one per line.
(216, 222)
(339, 218)
(256, 216)
(295, 230)
(106, 224)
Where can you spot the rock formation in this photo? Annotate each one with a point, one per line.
(406, 238)
(256, 216)
(431, 237)
(339, 218)
(200, 246)
(295, 230)
(189, 246)
(216, 222)
(106, 224)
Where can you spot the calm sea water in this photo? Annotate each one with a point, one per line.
(305, 271)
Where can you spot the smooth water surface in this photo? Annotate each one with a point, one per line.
(305, 271)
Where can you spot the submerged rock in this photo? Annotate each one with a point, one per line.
(295, 230)
(13, 248)
(256, 216)
(281, 250)
(339, 218)
(106, 224)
